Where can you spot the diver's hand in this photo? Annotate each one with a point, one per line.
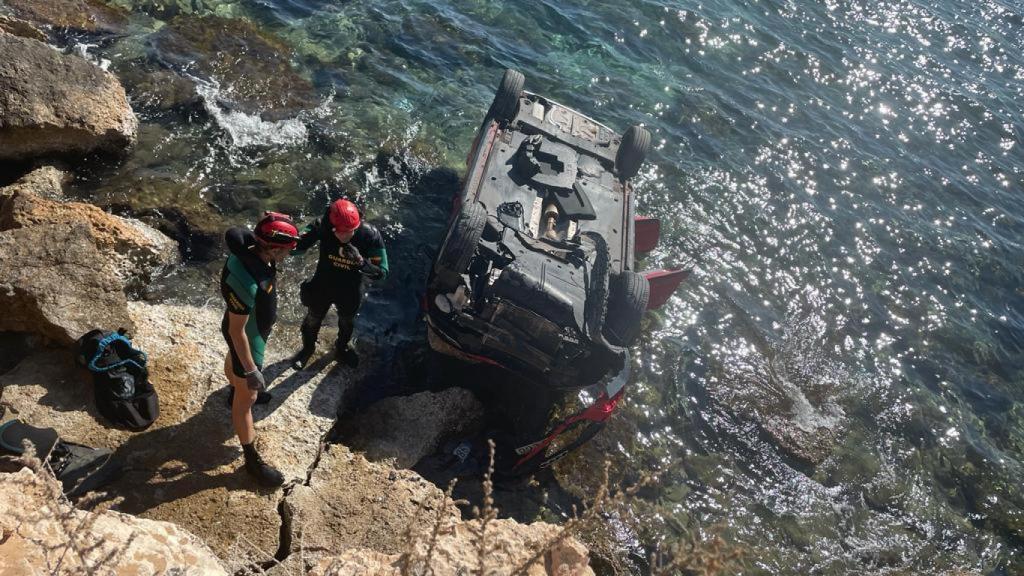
(254, 380)
(352, 253)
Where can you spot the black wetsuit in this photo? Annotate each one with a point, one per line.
(247, 285)
(338, 279)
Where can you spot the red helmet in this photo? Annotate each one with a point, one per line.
(277, 229)
(344, 216)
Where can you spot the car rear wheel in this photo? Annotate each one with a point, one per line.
(460, 244)
(627, 301)
(506, 99)
(635, 145)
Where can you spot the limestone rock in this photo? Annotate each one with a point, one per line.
(136, 250)
(83, 15)
(36, 296)
(187, 467)
(45, 181)
(510, 546)
(54, 104)
(353, 503)
(35, 540)
(407, 428)
(21, 28)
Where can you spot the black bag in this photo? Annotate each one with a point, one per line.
(120, 379)
(79, 468)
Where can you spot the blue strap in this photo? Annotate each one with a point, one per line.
(107, 341)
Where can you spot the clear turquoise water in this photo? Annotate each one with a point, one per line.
(847, 176)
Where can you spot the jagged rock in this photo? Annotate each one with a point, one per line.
(353, 503)
(45, 181)
(407, 428)
(84, 15)
(21, 28)
(510, 546)
(54, 104)
(36, 295)
(136, 250)
(187, 468)
(35, 521)
(251, 68)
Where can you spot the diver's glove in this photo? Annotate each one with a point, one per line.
(352, 253)
(371, 270)
(254, 380)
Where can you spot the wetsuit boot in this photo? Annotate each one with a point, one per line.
(343, 351)
(264, 473)
(310, 328)
(315, 313)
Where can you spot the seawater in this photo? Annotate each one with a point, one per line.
(844, 177)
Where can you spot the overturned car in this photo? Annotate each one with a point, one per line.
(536, 273)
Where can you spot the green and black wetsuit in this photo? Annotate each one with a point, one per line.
(338, 279)
(247, 284)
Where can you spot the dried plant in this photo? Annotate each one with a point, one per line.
(485, 515)
(79, 550)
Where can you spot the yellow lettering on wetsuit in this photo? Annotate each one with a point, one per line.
(343, 262)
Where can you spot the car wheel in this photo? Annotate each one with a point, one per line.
(460, 244)
(635, 145)
(627, 301)
(506, 99)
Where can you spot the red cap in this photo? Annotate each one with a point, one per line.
(344, 216)
(278, 229)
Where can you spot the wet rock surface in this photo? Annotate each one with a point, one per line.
(407, 428)
(54, 104)
(36, 294)
(42, 532)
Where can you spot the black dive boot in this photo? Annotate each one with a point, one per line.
(264, 473)
(347, 355)
(309, 329)
(301, 358)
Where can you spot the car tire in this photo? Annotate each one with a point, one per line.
(460, 244)
(506, 99)
(633, 149)
(627, 301)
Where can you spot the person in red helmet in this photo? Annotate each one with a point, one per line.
(247, 285)
(350, 250)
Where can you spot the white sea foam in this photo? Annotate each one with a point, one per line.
(249, 129)
(82, 49)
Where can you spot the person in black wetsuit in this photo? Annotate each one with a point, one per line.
(247, 285)
(350, 250)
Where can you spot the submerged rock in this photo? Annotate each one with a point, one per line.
(249, 70)
(407, 428)
(54, 104)
(56, 283)
(83, 15)
(41, 531)
(136, 250)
